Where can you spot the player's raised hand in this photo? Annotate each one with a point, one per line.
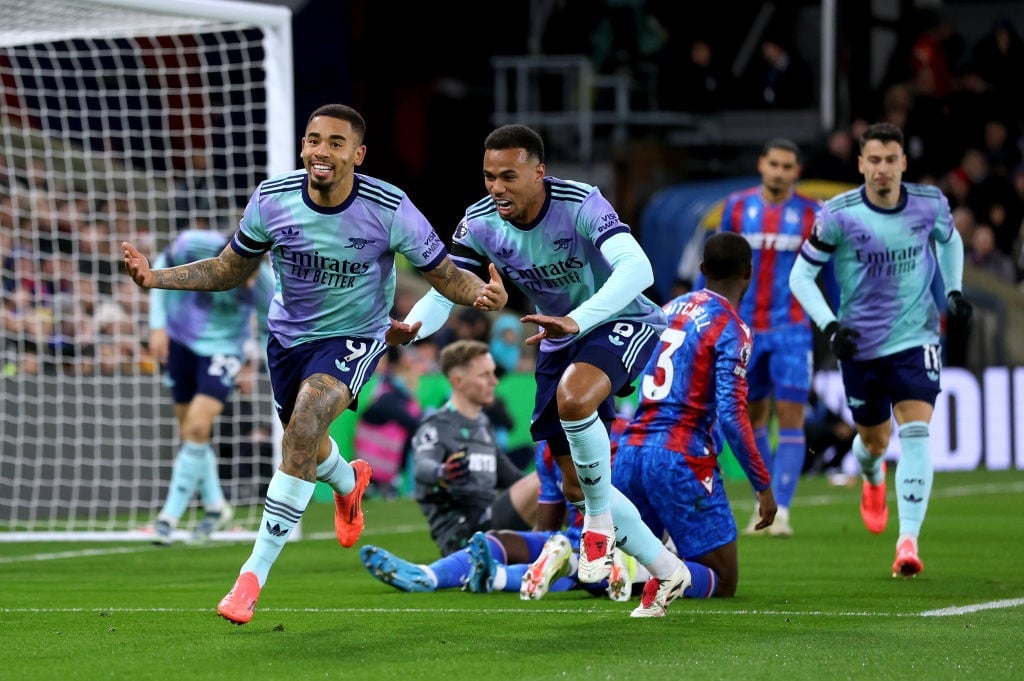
(137, 266)
(494, 296)
(551, 327)
(401, 333)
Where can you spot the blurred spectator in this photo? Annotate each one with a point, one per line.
(95, 256)
(956, 185)
(1001, 152)
(507, 343)
(117, 344)
(997, 60)
(466, 323)
(983, 256)
(627, 34)
(781, 79)
(384, 430)
(836, 161)
(937, 52)
(963, 220)
(696, 81)
(198, 192)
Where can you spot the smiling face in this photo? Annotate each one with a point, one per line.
(882, 164)
(515, 181)
(331, 151)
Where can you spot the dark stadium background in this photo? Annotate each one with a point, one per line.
(421, 72)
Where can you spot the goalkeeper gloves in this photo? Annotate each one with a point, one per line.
(957, 306)
(841, 340)
(454, 470)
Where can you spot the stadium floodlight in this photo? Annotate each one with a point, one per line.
(122, 120)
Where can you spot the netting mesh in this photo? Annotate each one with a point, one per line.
(114, 125)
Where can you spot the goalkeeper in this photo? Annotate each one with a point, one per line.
(464, 482)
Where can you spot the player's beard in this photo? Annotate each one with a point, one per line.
(319, 185)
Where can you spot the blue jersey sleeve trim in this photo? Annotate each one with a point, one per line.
(611, 232)
(442, 254)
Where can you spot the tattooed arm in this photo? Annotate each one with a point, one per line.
(224, 272)
(465, 288)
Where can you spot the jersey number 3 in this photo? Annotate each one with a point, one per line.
(658, 386)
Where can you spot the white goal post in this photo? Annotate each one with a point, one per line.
(123, 120)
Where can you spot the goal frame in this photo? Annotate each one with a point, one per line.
(274, 23)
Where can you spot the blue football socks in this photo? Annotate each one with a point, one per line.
(703, 581)
(789, 464)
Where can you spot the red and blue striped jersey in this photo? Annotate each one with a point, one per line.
(775, 232)
(697, 375)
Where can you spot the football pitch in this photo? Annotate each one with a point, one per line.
(819, 605)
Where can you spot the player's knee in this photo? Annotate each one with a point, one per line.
(574, 409)
(196, 432)
(876, 446)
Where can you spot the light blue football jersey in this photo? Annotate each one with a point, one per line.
(209, 322)
(556, 260)
(884, 263)
(335, 266)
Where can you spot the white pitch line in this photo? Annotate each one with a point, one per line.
(977, 607)
(80, 553)
(677, 611)
(142, 548)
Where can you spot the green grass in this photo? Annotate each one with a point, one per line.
(819, 605)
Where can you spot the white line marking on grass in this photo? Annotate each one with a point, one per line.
(967, 609)
(944, 612)
(82, 553)
(87, 553)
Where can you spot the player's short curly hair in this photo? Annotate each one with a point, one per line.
(516, 136)
(727, 255)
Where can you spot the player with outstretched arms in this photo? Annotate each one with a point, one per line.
(563, 245)
(332, 234)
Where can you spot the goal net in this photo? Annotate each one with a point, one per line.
(123, 120)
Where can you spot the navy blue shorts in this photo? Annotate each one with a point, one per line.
(618, 348)
(874, 385)
(349, 359)
(189, 374)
